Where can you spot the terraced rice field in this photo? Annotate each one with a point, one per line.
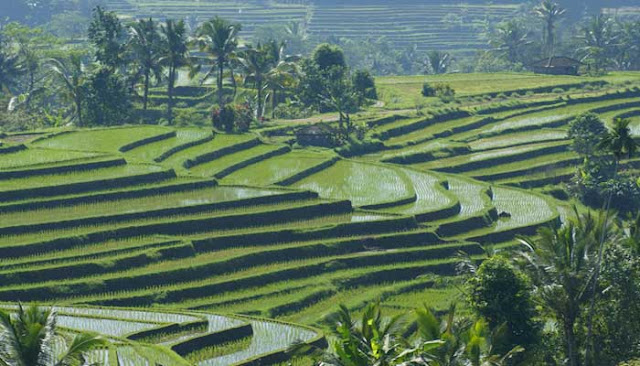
(429, 25)
(201, 227)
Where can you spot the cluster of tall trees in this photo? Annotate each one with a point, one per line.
(104, 83)
(600, 41)
(570, 296)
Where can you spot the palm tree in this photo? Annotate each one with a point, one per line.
(510, 39)
(72, 78)
(598, 37)
(175, 55)
(145, 46)
(28, 340)
(282, 74)
(561, 264)
(550, 13)
(449, 341)
(619, 140)
(219, 38)
(256, 63)
(438, 62)
(10, 69)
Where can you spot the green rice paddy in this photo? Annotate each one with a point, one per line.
(198, 227)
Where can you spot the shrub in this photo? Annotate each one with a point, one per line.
(557, 90)
(445, 92)
(586, 131)
(502, 294)
(243, 116)
(364, 85)
(223, 118)
(189, 117)
(428, 90)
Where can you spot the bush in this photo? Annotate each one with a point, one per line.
(364, 85)
(292, 110)
(223, 118)
(586, 131)
(445, 92)
(428, 90)
(189, 117)
(557, 90)
(243, 116)
(502, 294)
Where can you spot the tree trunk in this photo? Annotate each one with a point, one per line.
(570, 339)
(146, 89)
(172, 77)
(219, 86)
(79, 111)
(274, 103)
(590, 349)
(260, 102)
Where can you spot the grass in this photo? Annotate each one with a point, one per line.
(472, 195)
(219, 141)
(105, 140)
(464, 162)
(291, 267)
(149, 152)
(363, 184)
(33, 158)
(180, 199)
(75, 177)
(275, 169)
(430, 194)
(521, 138)
(214, 167)
(525, 208)
(400, 92)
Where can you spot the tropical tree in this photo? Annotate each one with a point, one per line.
(28, 338)
(561, 264)
(174, 55)
(10, 68)
(619, 141)
(219, 38)
(510, 39)
(71, 76)
(256, 63)
(598, 35)
(628, 47)
(146, 49)
(107, 35)
(437, 62)
(452, 341)
(283, 73)
(549, 13)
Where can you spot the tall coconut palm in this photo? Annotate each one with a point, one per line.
(598, 36)
(256, 63)
(550, 13)
(174, 55)
(561, 264)
(438, 62)
(510, 39)
(27, 339)
(219, 38)
(619, 142)
(71, 77)
(10, 69)
(146, 49)
(282, 74)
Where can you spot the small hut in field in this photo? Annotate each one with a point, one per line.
(319, 134)
(556, 65)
